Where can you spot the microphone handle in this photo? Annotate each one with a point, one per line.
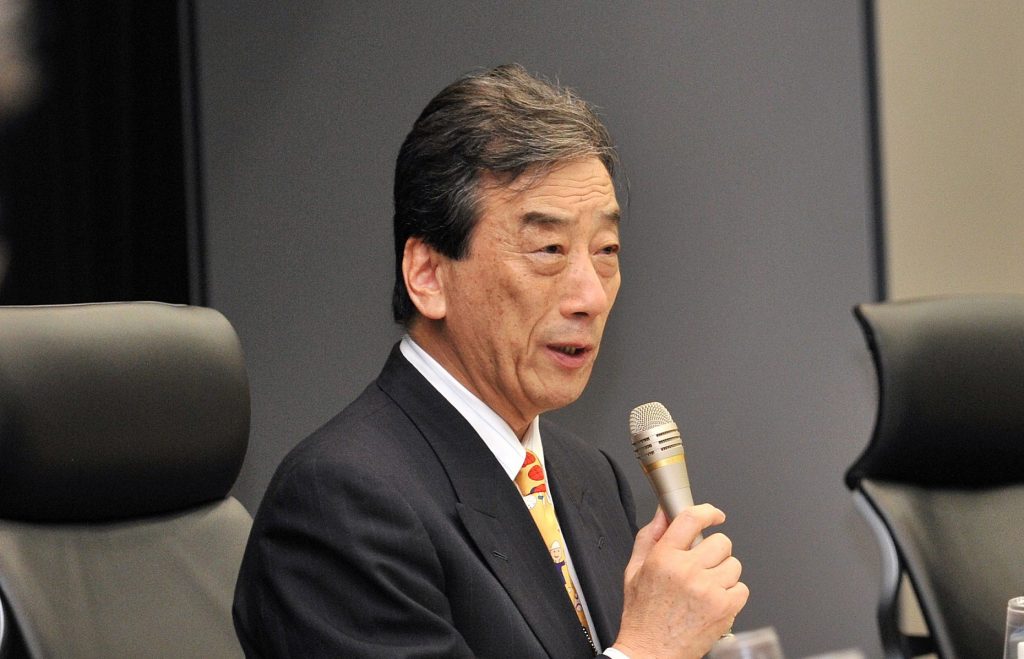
(672, 485)
(674, 502)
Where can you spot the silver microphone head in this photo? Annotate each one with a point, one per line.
(655, 436)
(647, 416)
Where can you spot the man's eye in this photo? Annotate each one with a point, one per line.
(551, 249)
(610, 249)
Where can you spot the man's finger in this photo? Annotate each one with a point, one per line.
(690, 523)
(645, 540)
(739, 594)
(712, 550)
(728, 573)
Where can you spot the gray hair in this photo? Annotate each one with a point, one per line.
(504, 122)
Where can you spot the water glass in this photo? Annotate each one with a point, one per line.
(852, 653)
(755, 644)
(1014, 646)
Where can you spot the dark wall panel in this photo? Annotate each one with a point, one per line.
(743, 133)
(92, 170)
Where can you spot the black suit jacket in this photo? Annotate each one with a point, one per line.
(393, 532)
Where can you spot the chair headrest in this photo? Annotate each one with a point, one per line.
(950, 389)
(118, 410)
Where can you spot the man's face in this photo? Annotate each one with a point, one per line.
(526, 308)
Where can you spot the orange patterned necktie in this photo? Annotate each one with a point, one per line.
(534, 489)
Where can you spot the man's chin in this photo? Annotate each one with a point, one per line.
(556, 400)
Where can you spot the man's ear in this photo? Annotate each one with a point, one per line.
(420, 268)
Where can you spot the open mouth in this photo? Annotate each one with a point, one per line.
(571, 351)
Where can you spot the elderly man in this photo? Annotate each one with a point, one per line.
(438, 515)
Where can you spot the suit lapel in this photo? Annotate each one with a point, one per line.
(492, 511)
(599, 575)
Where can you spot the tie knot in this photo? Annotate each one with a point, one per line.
(530, 478)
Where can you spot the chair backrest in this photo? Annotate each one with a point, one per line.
(943, 474)
(122, 429)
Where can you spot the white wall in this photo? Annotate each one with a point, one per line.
(951, 86)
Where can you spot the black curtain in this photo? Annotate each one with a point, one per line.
(93, 194)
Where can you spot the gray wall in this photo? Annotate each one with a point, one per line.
(742, 127)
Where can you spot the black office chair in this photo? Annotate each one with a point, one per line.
(122, 428)
(942, 480)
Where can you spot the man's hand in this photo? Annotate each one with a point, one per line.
(679, 601)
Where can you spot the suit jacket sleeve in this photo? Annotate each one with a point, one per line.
(340, 565)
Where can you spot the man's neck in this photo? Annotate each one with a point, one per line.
(429, 337)
(509, 450)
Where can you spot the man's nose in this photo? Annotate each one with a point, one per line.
(585, 292)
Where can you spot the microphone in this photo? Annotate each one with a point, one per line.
(659, 448)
